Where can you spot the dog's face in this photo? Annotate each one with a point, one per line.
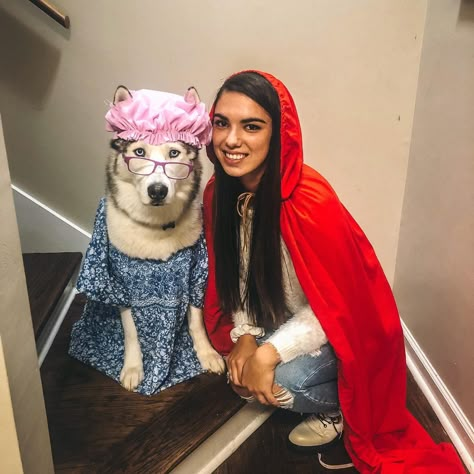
(159, 173)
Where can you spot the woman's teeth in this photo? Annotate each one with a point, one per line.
(234, 156)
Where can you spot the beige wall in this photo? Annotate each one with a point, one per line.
(434, 280)
(351, 66)
(353, 70)
(10, 459)
(18, 343)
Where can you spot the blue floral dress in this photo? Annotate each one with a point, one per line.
(158, 293)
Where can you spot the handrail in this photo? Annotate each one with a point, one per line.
(53, 12)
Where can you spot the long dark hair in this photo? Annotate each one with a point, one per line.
(263, 298)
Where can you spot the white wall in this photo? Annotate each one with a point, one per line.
(351, 66)
(434, 280)
(42, 230)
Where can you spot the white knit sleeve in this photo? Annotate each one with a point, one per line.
(301, 334)
(242, 325)
(241, 317)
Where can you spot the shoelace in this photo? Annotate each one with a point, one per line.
(334, 467)
(326, 421)
(329, 420)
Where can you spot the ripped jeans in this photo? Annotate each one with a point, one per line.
(310, 380)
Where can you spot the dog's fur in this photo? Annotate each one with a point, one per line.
(152, 217)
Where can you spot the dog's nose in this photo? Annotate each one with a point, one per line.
(157, 192)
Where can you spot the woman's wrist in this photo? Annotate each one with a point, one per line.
(247, 338)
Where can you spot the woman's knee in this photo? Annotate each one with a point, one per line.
(284, 396)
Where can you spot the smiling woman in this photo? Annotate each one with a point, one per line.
(295, 291)
(245, 150)
(242, 137)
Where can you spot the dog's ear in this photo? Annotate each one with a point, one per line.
(119, 144)
(121, 93)
(192, 96)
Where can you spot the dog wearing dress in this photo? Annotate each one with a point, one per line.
(145, 270)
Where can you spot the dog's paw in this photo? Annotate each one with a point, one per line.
(131, 377)
(211, 361)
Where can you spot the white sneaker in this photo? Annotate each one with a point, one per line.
(317, 432)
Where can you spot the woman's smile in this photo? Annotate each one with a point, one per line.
(235, 156)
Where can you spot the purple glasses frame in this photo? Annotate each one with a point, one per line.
(163, 164)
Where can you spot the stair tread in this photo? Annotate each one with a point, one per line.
(97, 426)
(47, 276)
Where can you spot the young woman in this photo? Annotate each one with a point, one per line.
(296, 297)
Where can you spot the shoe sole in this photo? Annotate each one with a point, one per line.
(314, 449)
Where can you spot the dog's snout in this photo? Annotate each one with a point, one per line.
(157, 192)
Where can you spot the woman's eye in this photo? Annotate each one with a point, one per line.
(251, 127)
(174, 153)
(139, 152)
(220, 123)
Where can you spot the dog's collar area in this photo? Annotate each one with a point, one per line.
(170, 225)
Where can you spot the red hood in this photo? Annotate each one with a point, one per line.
(290, 135)
(347, 290)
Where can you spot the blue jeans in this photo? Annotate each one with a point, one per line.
(311, 381)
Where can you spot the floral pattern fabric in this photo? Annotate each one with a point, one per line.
(158, 293)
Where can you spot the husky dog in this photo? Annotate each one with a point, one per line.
(151, 214)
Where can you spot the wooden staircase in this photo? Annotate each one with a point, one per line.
(98, 427)
(48, 277)
(95, 425)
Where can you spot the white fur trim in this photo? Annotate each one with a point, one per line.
(302, 334)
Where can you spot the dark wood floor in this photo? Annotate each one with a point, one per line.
(47, 275)
(96, 426)
(267, 452)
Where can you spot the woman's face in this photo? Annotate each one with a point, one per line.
(242, 130)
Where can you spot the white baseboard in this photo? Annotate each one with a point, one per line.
(43, 230)
(447, 410)
(208, 456)
(50, 331)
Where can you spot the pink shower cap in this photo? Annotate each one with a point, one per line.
(158, 117)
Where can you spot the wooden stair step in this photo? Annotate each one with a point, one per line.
(96, 426)
(267, 449)
(47, 276)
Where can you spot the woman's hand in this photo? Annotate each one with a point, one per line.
(244, 348)
(258, 374)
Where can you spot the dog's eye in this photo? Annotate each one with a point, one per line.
(139, 152)
(174, 153)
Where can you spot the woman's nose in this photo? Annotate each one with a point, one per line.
(233, 138)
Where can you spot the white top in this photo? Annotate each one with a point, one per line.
(302, 333)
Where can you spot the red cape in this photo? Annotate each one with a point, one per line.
(347, 290)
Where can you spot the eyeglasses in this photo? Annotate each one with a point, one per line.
(145, 167)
